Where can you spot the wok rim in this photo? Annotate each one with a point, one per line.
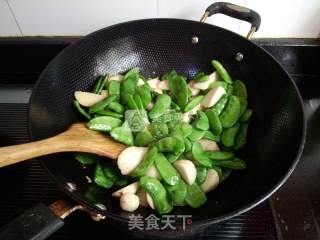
(195, 223)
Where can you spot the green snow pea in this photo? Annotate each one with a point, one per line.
(241, 137)
(111, 171)
(122, 181)
(239, 89)
(219, 84)
(175, 106)
(228, 135)
(179, 88)
(234, 163)
(196, 135)
(225, 174)
(209, 135)
(219, 155)
(220, 105)
(162, 104)
(102, 104)
(99, 177)
(187, 144)
(214, 122)
(86, 158)
(221, 71)
(172, 157)
(243, 105)
(158, 130)
(122, 134)
(169, 75)
(130, 102)
(97, 85)
(246, 115)
(177, 133)
(177, 192)
(81, 110)
(147, 161)
(145, 94)
(133, 73)
(143, 138)
(103, 123)
(231, 113)
(201, 122)
(201, 175)
(186, 129)
(116, 107)
(229, 90)
(158, 194)
(173, 145)
(167, 172)
(138, 101)
(128, 87)
(199, 156)
(100, 84)
(193, 103)
(189, 94)
(110, 114)
(195, 197)
(201, 77)
(114, 88)
(172, 125)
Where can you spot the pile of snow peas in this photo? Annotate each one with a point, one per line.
(182, 136)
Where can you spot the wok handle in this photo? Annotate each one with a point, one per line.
(41, 221)
(37, 223)
(234, 11)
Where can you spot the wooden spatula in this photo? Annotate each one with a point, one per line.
(76, 139)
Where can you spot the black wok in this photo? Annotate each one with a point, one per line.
(276, 135)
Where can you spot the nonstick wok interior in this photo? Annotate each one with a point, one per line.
(156, 46)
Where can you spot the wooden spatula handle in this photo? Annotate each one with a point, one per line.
(18, 153)
(76, 139)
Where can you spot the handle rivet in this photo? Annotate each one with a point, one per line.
(101, 206)
(239, 57)
(98, 217)
(195, 40)
(71, 186)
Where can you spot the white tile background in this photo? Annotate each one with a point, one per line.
(280, 18)
(8, 25)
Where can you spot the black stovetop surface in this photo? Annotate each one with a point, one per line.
(291, 213)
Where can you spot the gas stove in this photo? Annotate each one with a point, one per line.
(293, 212)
